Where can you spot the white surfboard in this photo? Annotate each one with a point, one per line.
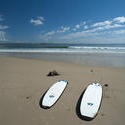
(53, 93)
(91, 100)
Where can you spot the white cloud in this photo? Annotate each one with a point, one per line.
(85, 27)
(1, 18)
(119, 32)
(106, 29)
(110, 23)
(106, 25)
(84, 22)
(36, 22)
(92, 32)
(74, 29)
(41, 18)
(2, 27)
(63, 29)
(77, 26)
(78, 35)
(113, 26)
(47, 35)
(119, 19)
(2, 36)
(102, 23)
(50, 33)
(39, 21)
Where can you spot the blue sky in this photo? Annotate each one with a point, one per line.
(77, 21)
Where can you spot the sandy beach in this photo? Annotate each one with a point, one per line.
(24, 81)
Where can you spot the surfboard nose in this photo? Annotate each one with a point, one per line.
(62, 81)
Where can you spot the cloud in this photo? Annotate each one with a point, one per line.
(92, 32)
(41, 18)
(119, 19)
(2, 36)
(2, 27)
(63, 29)
(99, 30)
(39, 21)
(47, 35)
(113, 26)
(50, 33)
(119, 32)
(106, 27)
(83, 23)
(102, 23)
(85, 27)
(110, 22)
(1, 18)
(78, 26)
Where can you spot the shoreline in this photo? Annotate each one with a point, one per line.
(23, 82)
(60, 62)
(87, 59)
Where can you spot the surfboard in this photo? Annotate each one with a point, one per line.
(54, 93)
(91, 100)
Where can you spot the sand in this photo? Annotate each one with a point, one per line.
(24, 81)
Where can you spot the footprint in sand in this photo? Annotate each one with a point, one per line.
(102, 114)
(67, 109)
(28, 98)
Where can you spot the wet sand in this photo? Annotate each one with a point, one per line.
(24, 81)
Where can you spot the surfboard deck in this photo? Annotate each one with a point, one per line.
(54, 93)
(91, 100)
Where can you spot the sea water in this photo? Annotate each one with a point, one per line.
(88, 54)
(62, 48)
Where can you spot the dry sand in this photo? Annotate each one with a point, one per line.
(23, 82)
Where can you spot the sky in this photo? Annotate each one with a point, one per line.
(69, 21)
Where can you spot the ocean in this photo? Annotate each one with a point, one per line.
(62, 48)
(87, 54)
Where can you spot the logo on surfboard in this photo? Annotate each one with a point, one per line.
(51, 96)
(90, 104)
